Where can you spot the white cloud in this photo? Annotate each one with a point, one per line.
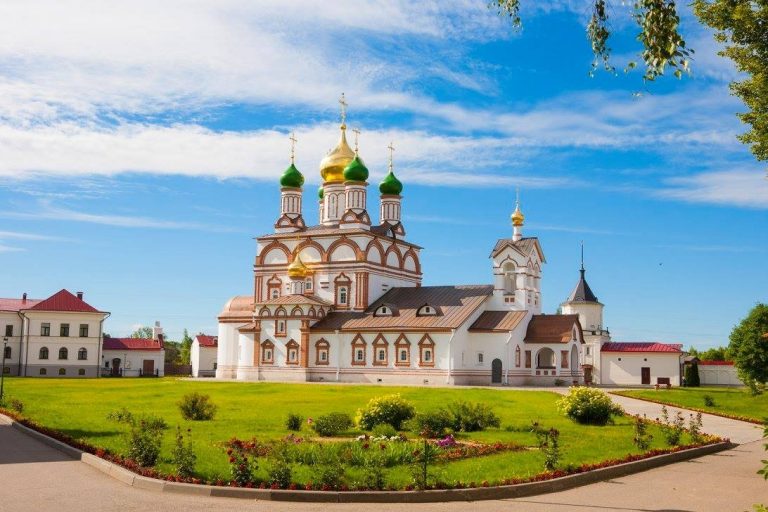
(25, 236)
(746, 188)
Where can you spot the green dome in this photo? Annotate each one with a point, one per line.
(292, 178)
(356, 170)
(391, 185)
(320, 193)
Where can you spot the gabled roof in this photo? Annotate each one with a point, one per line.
(497, 321)
(63, 300)
(131, 344)
(552, 328)
(17, 304)
(524, 246)
(582, 292)
(205, 340)
(456, 304)
(652, 346)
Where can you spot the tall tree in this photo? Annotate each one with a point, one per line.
(142, 332)
(185, 352)
(749, 346)
(742, 26)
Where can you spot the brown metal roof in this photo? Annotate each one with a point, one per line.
(455, 304)
(238, 306)
(497, 321)
(524, 245)
(296, 299)
(551, 328)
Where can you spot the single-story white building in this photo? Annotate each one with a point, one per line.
(134, 357)
(203, 355)
(635, 364)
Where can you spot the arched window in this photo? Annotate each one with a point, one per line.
(62, 371)
(508, 269)
(63, 353)
(81, 372)
(7, 353)
(517, 356)
(43, 371)
(343, 295)
(82, 354)
(43, 353)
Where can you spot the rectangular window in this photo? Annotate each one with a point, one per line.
(308, 285)
(64, 330)
(588, 351)
(427, 355)
(479, 358)
(323, 355)
(279, 327)
(360, 355)
(564, 359)
(45, 329)
(9, 330)
(382, 354)
(527, 358)
(83, 330)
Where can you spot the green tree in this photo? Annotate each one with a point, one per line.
(692, 375)
(749, 346)
(716, 354)
(185, 351)
(142, 332)
(172, 352)
(742, 27)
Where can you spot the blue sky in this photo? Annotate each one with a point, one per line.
(140, 146)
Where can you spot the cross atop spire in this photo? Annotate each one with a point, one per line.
(391, 149)
(292, 138)
(582, 256)
(517, 198)
(343, 103)
(357, 136)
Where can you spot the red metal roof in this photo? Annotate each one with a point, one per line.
(17, 304)
(131, 344)
(641, 347)
(207, 341)
(63, 300)
(716, 363)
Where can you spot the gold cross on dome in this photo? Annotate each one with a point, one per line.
(391, 149)
(357, 136)
(292, 138)
(343, 103)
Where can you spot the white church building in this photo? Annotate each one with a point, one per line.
(342, 301)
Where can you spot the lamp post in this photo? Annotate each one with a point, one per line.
(2, 372)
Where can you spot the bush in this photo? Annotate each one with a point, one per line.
(390, 409)
(144, 437)
(293, 422)
(642, 438)
(435, 422)
(551, 449)
(280, 473)
(588, 406)
(13, 403)
(709, 401)
(384, 430)
(329, 476)
(197, 407)
(183, 456)
(332, 424)
(672, 430)
(473, 417)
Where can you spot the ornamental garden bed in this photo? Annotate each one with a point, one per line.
(735, 403)
(75, 412)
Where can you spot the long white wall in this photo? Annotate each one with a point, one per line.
(624, 369)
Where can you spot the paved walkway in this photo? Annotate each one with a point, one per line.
(34, 477)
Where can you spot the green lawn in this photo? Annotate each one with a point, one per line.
(728, 401)
(78, 407)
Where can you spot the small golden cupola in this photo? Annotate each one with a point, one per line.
(517, 220)
(297, 269)
(333, 165)
(517, 216)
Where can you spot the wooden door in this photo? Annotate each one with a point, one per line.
(645, 374)
(149, 367)
(496, 371)
(116, 367)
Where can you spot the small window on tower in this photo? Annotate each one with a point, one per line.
(308, 285)
(343, 295)
(275, 293)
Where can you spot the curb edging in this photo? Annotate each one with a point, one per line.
(431, 496)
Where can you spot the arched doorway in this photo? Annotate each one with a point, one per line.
(496, 371)
(545, 359)
(574, 359)
(116, 367)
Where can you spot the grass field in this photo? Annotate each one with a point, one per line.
(728, 401)
(79, 407)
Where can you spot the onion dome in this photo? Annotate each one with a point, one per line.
(356, 170)
(320, 193)
(390, 185)
(297, 269)
(517, 216)
(292, 177)
(332, 166)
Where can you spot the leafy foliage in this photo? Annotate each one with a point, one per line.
(185, 349)
(642, 438)
(672, 429)
(551, 449)
(142, 332)
(436, 422)
(183, 455)
(293, 422)
(242, 464)
(694, 428)
(692, 379)
(144, 436)
(764, 470)
(197, 407)
(473, 417)
(332, 424)
(390, 409)
(712, 354)
(709, 401)
(384, 430)
(598, 34)
(588, 406)
(741, 27)
(749, 345)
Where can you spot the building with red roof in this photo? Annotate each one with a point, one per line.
(135, 357)
(203, 355)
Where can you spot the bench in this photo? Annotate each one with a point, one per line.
(663, 381)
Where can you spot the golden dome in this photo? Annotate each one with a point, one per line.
(297, 269)
(517, 216)
(332, 166)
